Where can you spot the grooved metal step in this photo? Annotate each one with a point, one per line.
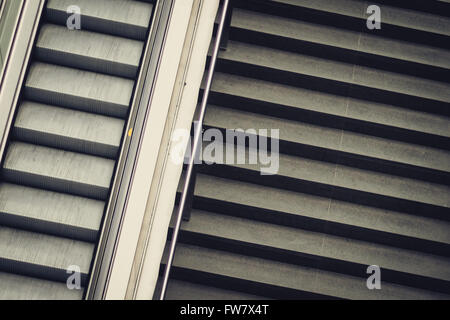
(77, 89)
(42, 256)
(69, 129)
(58, 170)
(303, 169)
(50, 212)
(89, 50)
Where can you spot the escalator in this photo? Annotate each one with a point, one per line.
(364, 157)
(58, 169)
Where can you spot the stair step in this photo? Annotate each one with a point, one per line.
(43, 256)
(315, 213)
(62, 148)
(363, 176)
(291, 281)
(58, 170)
(321, 214)
(334, 77)
(324, 41)
(300, 104)
(83, 90)
(437, 7)
(415, 20)
(352, 148)
(320, 250)
(339, 182)
(414, 25)
(16, 287)
(50, 212)
(89, 51)
(68, 129)
(125, 18)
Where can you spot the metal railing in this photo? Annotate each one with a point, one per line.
(197, 133)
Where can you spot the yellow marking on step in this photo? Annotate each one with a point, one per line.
(130, 132)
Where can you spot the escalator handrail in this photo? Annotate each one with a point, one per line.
(195, 147)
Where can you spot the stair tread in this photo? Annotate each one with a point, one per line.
(299, 98)
(289, 276)
(342, 72)
(80, 169)
(340, 38)
(92, 132)
(44, 251)
(370, 107)
(16, 287)
(324, 209)
(330, 138)
(78, 89)
(357, 179)
(125, 17)
(298, 241)
(89, 50)
(184, 290)
(406, 18)
(67, 133)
